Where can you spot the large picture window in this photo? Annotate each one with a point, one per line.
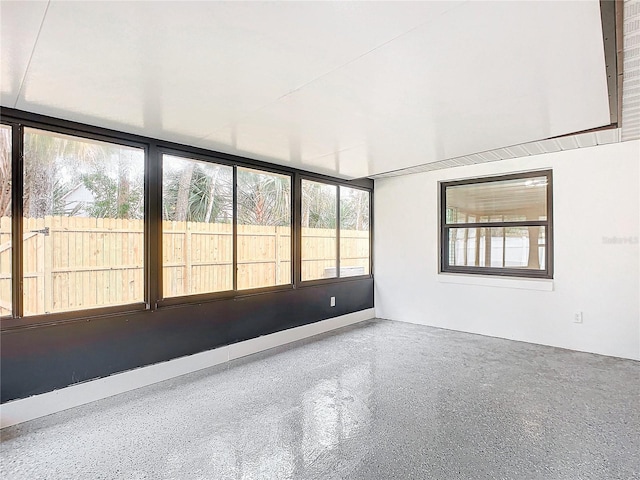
(197, 227)
(498, 225)
(324, 220)
(319, 230)
(354, 232)
(264, 229)
(83, 223)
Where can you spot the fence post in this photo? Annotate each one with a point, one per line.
(187, 258)
(278, 259)
(40, 266)
(48, 265)
(5, 266)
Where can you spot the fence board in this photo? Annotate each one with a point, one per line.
(5, 266)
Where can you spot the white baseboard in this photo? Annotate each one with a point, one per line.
(23, 410)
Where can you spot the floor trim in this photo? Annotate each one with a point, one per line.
(23, 410)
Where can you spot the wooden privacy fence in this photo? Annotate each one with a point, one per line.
(72, 263)
(5, 265)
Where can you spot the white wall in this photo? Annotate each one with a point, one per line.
(596, 195)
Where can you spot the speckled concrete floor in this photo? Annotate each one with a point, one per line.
(377, 400)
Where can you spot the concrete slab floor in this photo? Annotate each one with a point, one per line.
(376, 400)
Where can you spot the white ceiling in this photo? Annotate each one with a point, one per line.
(351, 89)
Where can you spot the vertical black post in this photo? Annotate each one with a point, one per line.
(153, 226)
(17, 192)
(234, 241)
(444, 233)
(371, 263)
(338, 231)
(296, 232)
(548, 241)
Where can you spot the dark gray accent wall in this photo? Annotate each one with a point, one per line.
(45, 358)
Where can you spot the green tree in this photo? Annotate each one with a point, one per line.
(5, 171)
(196, 191)
(117, 188)
(318, 205)
(354, 209)
(55, 165)
(45, 182)
(263, 198)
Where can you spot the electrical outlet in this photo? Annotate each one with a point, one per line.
(333, 301)
(577, 317)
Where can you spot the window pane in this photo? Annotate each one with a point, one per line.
(319, 230)
(511, 247)
(498, 201)
(197, 228)
(354, 232)
(5, 221)
(83, 223)
(264, 229)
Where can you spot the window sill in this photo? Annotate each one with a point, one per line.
(540, 284)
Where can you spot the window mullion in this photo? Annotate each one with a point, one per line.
(17, 187)
(153, 226)
(338, 225)
(523, 223)
(234, 241)
(296, 231)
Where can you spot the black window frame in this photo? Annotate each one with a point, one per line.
(153, 150)
(370, 230)
(337, 184)
(201, 155)
(319, 281)
(18, 319)
(272, 288)
(444, 267)
(164, 300)
(16, 270)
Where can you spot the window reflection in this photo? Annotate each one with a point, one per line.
(504, 247)
(335, 410)
(498, 201)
